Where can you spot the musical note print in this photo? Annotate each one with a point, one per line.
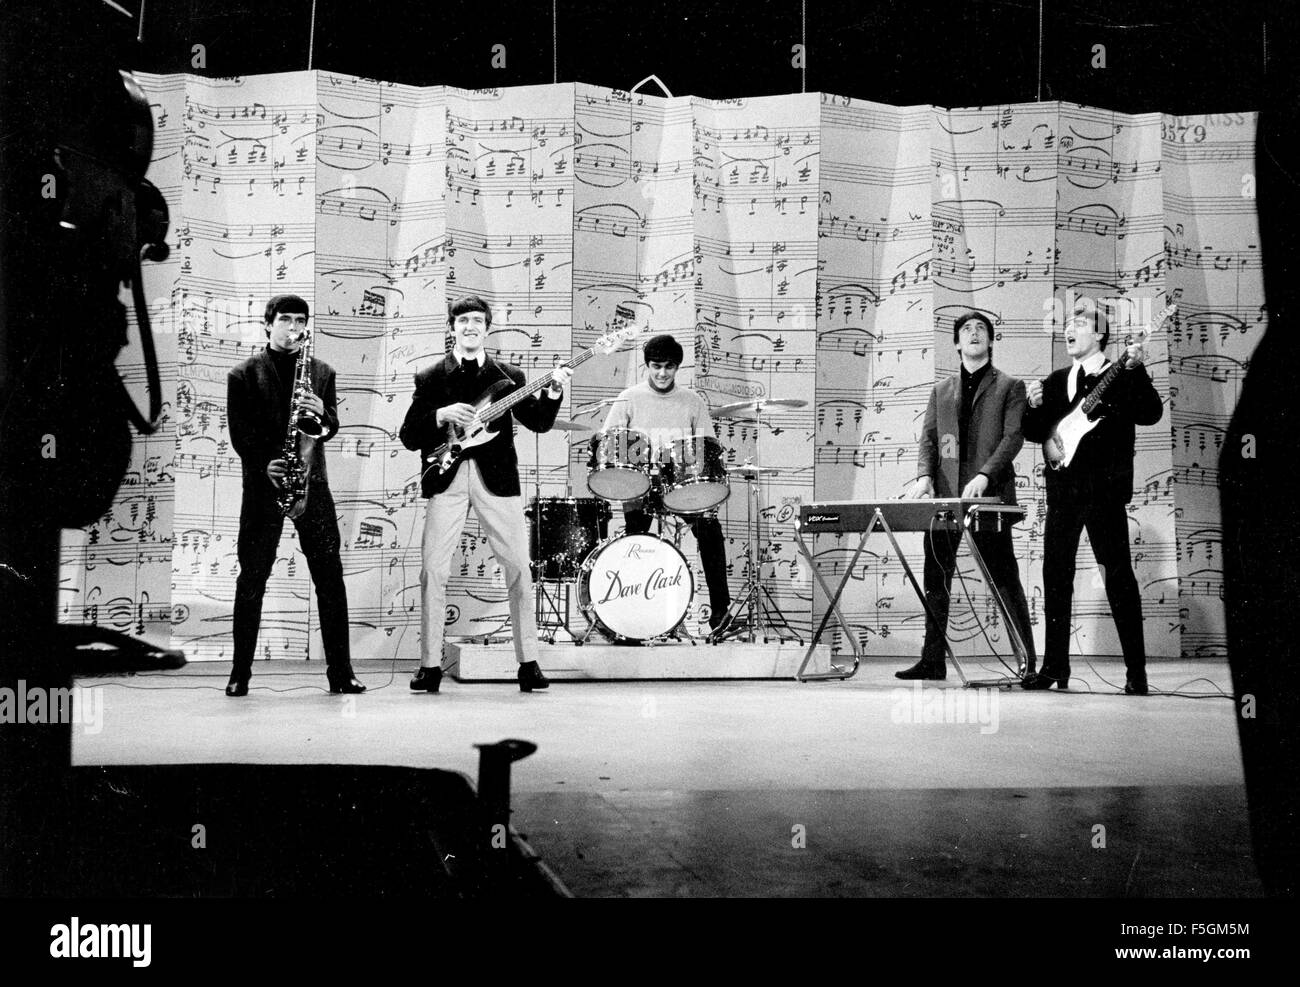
(812, 247)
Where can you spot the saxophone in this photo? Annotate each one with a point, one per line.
(305, 426)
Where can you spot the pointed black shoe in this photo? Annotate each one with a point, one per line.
(345, 683)
(1045, 680)
(924, 670)
(1136, 685)
(236, 687)
(427, 679)
(531, 677)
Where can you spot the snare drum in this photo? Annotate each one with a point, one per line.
(695, 475)
(635, 587)
(619, 464)
(562, 532)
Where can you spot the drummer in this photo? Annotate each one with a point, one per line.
(665, 411)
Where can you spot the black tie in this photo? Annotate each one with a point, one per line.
(1079, 378)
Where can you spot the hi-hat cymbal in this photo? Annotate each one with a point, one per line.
(756, 407)
(564, 425)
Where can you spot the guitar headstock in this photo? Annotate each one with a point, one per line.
(615, 338)
(1163, 316)
(1157, 324)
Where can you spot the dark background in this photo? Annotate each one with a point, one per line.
(1161, 55)
(1189, 57)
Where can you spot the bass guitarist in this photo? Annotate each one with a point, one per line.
(485, 477)
(1091, 492)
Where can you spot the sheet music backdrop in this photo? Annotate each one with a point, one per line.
(805, 246)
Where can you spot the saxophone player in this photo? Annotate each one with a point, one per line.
(261, 400)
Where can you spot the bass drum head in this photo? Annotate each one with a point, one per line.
(636, 587)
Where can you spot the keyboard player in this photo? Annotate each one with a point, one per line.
(970, 438)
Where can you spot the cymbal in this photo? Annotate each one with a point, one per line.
(564, 425)
(757, 407)
(753, 472)
(597, 405)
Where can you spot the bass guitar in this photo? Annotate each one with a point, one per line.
(501, 396)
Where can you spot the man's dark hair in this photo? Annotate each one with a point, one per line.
(663, 349)
(972, 317)
(468, 303)
(291, 304)
(1100, 321)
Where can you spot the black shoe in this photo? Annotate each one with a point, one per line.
(1135, 685)
(427, 679)
(345, 683)
(531, 677)
(237, 686)
(924, 669)
(718, 617)
(1046, 679)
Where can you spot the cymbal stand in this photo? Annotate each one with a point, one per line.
(543, 605)
(760, 611)
(546, 604)
(550, 617)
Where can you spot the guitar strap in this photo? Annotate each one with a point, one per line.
(500, 374)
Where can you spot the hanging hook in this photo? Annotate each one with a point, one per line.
(656, 80)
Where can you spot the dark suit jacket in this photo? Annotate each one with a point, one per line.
(1103, 466)
(435, 388)
(255, 402)
(994, 434)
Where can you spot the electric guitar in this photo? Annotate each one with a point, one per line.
(1079, 420)
(492, 405)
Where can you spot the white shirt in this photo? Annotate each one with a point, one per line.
(1092, 366)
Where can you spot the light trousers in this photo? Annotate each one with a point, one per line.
(502, 521)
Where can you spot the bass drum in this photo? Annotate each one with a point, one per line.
(635, 587)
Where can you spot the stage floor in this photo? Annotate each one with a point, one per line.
(700, 788)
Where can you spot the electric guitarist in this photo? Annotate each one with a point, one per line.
(484, 475)
(1092, 491)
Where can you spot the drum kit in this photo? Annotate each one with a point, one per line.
(638, 588)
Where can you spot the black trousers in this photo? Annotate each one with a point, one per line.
(260, 524)
(999, 555)
(1069, 512)
(713, 555)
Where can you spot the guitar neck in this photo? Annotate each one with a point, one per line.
(499, 408)
(1108, 378)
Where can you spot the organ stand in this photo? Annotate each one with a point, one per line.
(914, 515)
